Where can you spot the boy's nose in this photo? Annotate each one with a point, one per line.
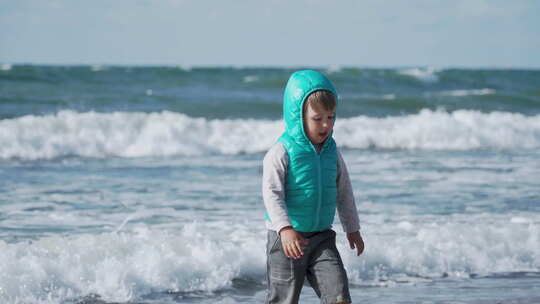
(326, 124)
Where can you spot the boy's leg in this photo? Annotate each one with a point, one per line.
(326, 273)
(285, 275)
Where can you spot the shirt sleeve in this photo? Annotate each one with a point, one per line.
(273, 187)
(346, 207)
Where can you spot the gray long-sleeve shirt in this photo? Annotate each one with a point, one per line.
(273, 190)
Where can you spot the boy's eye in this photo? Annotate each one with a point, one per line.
(317, 118)
(331, 117)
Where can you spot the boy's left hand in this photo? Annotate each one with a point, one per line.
(355, 241)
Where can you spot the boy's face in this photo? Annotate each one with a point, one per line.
(318, 122)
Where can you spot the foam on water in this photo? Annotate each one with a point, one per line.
(203, 257)
(438, 247)
(250, 78)
(97, 68)
(437, 130)
(5, 67)
(123, 266)
(124, 134)
(428, 75)
(336, 68)
(462, 93)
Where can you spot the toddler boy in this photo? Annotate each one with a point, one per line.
(304, 181)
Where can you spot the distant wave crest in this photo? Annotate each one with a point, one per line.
(125, 134)
(427, 75)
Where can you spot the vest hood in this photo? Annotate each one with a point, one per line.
(300, 85)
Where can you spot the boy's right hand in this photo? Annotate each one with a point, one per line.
(293, 243)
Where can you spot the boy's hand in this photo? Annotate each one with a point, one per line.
(355, 241)
(293, 243)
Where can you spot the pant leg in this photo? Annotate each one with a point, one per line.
(325, 270)
(285, 275)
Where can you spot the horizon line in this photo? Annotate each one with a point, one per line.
(274, 66)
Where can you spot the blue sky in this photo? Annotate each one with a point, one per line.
(452, 33)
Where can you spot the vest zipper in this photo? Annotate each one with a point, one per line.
(319, 178)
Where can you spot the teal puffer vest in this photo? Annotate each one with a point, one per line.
(311, 182)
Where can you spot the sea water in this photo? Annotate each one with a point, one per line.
(143, 184)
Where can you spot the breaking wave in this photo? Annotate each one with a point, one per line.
(427, 75)
(125, 266)
(127, 134)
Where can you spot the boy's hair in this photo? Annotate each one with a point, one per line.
(322, 97)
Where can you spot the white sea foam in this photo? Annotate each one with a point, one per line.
(334, 69)
(120, 267)
(389, 96)
(97, 68)
(131, 135)
(202, 257)
(428, 74)
(437, 247)
(123, 134)
(5, 67)
(250, 78)
(461, 93)
(437, 130)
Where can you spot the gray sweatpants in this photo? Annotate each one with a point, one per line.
(320, 264)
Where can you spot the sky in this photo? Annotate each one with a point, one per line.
(369, 33)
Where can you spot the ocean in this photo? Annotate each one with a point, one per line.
(133, 184)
